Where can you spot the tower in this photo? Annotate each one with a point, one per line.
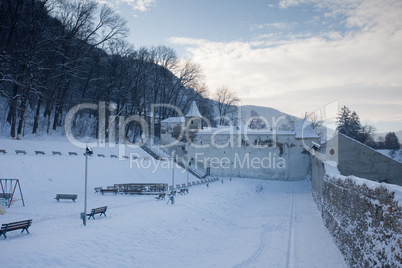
(193, 118)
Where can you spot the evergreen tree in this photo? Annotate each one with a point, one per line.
(391, 141)
(348, 123)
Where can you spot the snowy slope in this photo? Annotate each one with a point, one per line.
(237, 223)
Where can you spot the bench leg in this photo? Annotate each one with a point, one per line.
(103, 214)
(3, 234)
(92, 215)
(26, 229)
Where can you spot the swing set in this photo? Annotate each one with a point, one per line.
(8, 192)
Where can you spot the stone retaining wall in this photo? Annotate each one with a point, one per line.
(364, 218)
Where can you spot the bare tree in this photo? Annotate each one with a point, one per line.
(227, 102)
(315, 119)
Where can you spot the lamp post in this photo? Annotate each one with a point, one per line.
(88, 151)
(188, 166)
(172, 191)
(172, 172)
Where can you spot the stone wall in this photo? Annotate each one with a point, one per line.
(364, 218)
(272, 157)
(355, 158)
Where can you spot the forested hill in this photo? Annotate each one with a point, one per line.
(57, 54)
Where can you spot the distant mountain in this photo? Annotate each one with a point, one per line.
(397, 133)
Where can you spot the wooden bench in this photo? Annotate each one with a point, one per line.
(108, 191)
(132, 191)
(20, 152)
(113, 156)
(40, 152)
(54, 153)
(2, 151)
(97, 189)
(66, 196)
(6, 227)
(125, 157)
(100, 210)
(160, 196)
(101, 155)
(183, 191)
(72, 153)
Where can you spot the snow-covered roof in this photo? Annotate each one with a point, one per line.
(225, 130)
(303, 130)
(193, 112)
(174, 120)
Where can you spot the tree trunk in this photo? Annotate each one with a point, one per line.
(36, 119)
(12, 114)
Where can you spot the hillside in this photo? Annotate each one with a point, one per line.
(237, 223)
(276, 118)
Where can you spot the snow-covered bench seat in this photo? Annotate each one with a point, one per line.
(97, 189)
(108, 191)
(66, 196)
(6, 227)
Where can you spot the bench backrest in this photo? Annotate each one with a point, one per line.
(98, 210)
(16, 225)
(66, 196)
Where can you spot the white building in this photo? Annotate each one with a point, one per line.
(239, 151)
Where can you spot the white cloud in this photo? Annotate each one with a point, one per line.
(140, 5)
(367, 55)
(137, 5)
(275, 25)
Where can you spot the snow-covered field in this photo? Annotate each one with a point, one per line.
(237, 223)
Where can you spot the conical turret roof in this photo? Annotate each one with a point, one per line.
(193, 112)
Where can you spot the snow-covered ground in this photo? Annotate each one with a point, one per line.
(237, 223)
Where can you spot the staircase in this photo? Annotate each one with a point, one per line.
(193, 170)
(152, 152)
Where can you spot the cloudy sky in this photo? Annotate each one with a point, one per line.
(293, 55)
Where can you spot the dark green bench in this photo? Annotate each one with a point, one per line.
(7, 227)
(100, 210)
